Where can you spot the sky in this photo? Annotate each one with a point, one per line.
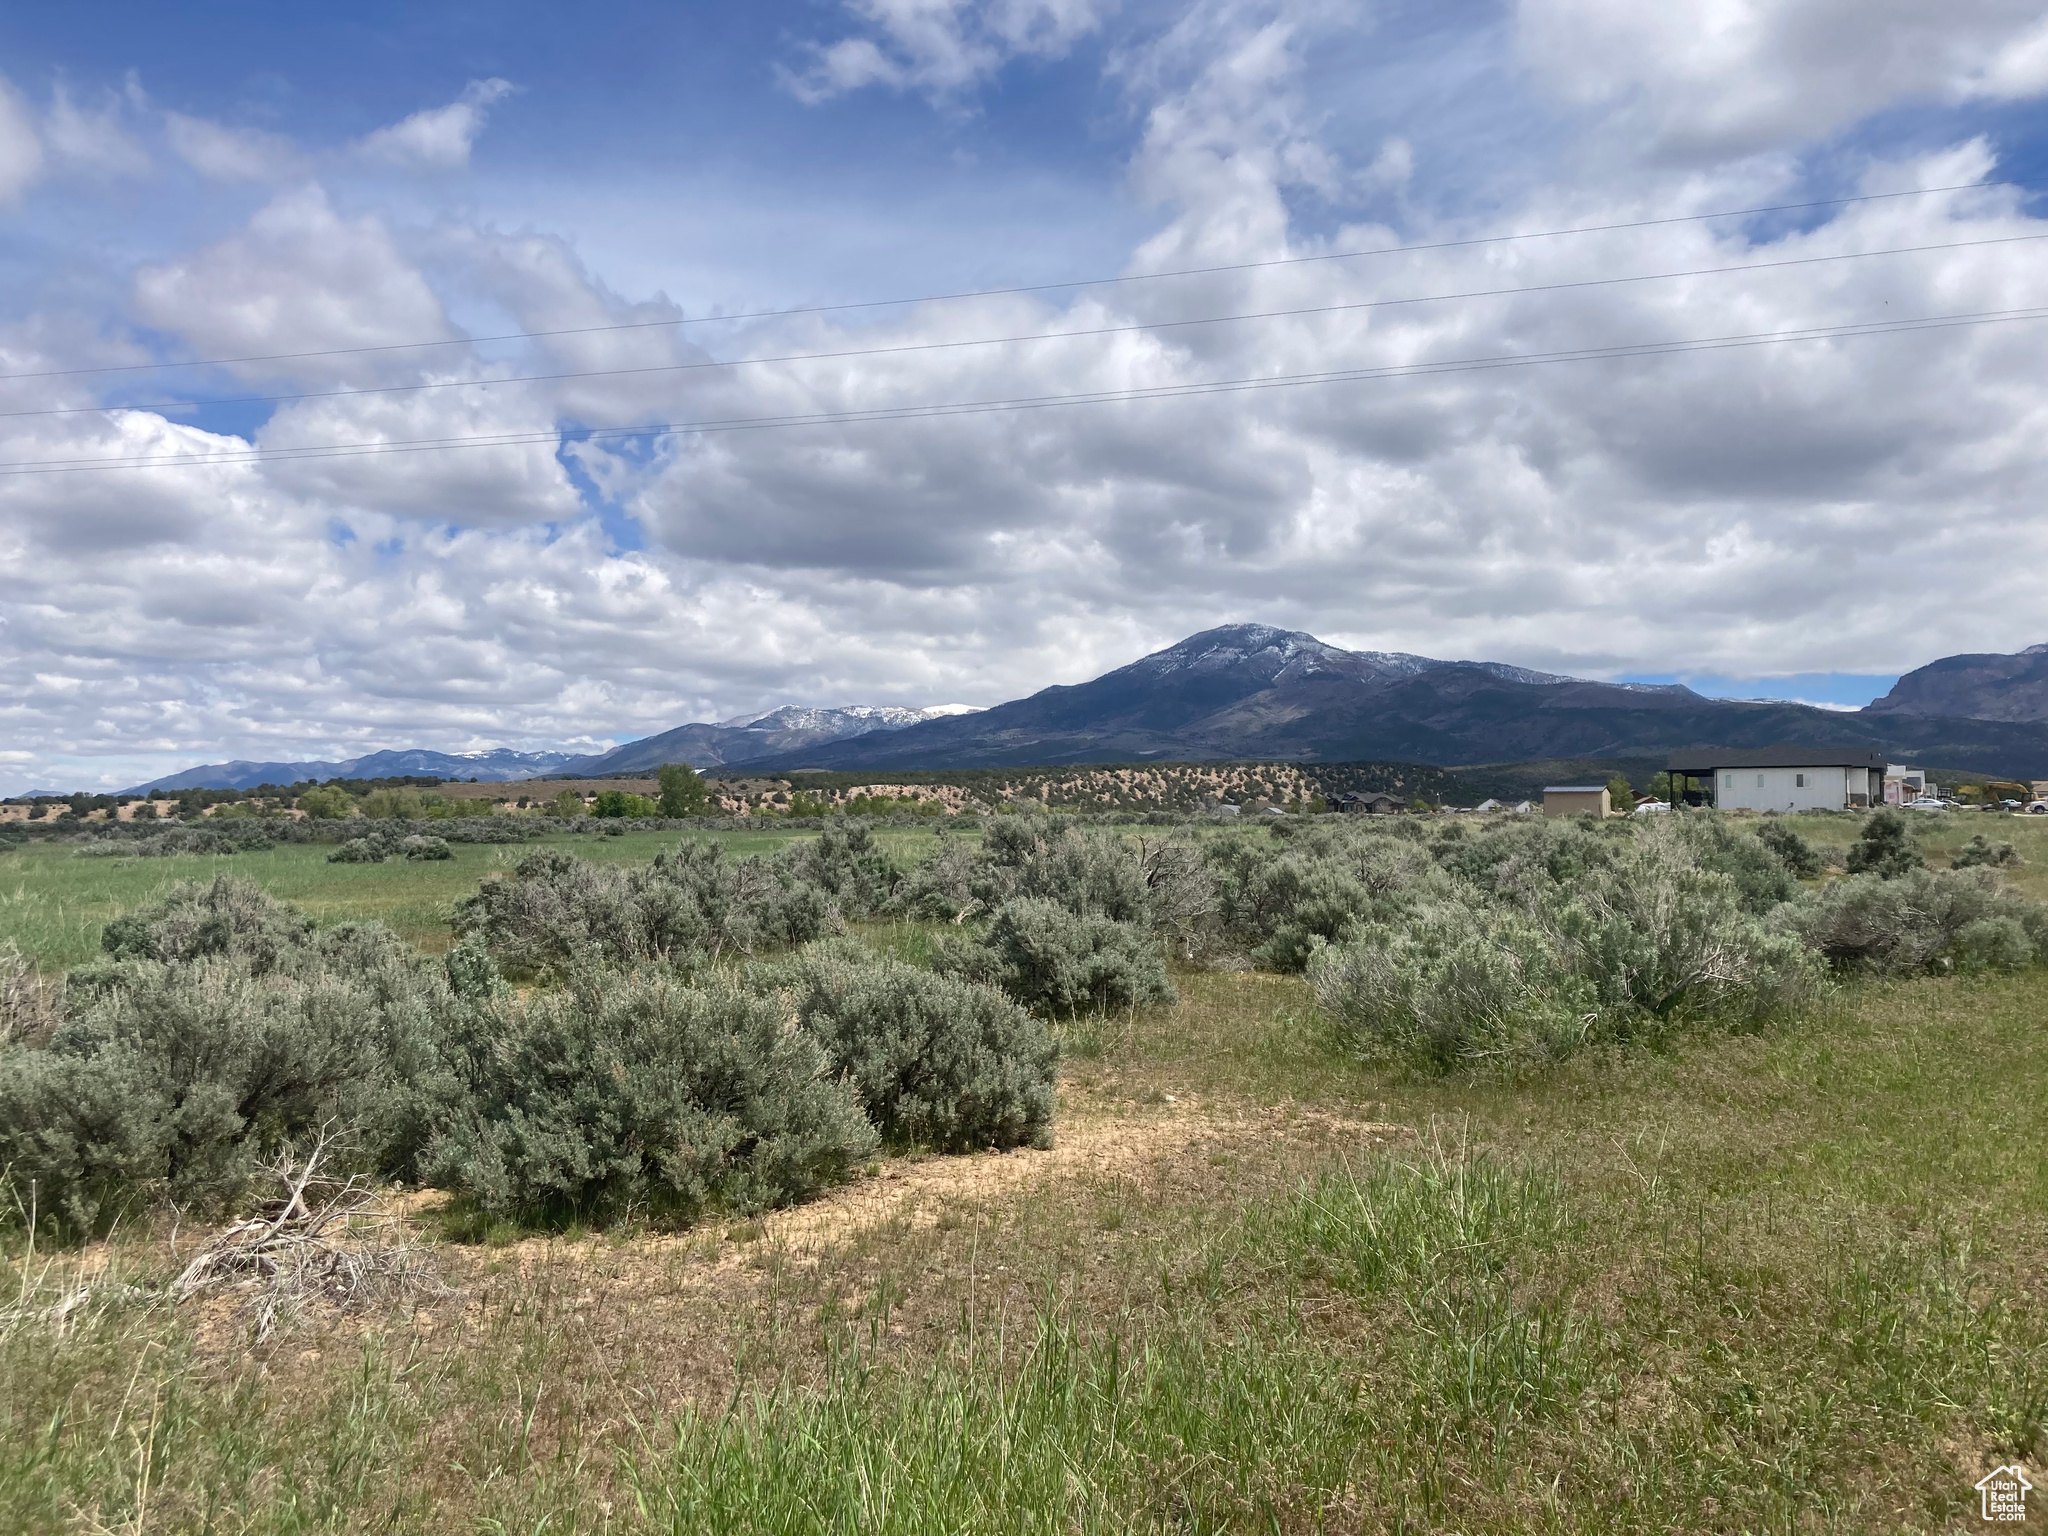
(493, 375)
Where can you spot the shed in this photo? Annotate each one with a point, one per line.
(1784, 778)
(1576, 800)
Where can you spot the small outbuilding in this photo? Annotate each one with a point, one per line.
(1576, 800)
(1784, 778)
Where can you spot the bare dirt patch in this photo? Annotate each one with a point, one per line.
(907, 1258)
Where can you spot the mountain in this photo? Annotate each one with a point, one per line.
(497, 766)
(1987, 687)
(748, 738)
(1252, 691)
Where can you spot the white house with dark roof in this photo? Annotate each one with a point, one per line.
(1785, 778)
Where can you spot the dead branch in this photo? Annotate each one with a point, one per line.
(323, 1239)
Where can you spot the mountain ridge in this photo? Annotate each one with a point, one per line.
(1251, 691)
(1977, 686)
(1254, 691)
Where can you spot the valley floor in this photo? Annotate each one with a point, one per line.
(1783, 1281)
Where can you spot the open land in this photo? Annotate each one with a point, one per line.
(1781, 1279)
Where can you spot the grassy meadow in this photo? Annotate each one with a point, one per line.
(1787, 1280)
(53, 904)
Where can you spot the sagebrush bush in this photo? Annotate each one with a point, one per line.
(848, 865)
(1922, 920)
(359, 850)
(1981, 852)
(230, 916)
(174, 1081)
(1644, 940)
(938, 1061)
(1453, 985)
(1278, 899)
(1059, 962)
(556, 911)
(1658, 937)
(1761, 874)
(634, 1094)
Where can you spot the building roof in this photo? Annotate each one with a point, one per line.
(1698, 762)
(1573, 789)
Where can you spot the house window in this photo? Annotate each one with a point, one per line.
(1799, 781)
(1759, 781)
(1727, 781)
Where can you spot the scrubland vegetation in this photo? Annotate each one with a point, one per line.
(1331, 1174)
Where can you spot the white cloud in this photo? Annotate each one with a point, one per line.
(1726, 77)
(230, 154)
(941, 48)
(439, 137)
(1762, 512)
(300, 278)
(21, 149)
(96, 139)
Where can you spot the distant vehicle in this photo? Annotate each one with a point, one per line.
(1927, 803)
(1651, 807)
(2038, 808)
(2010, 805)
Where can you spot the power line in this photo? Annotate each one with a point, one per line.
(987, 293)
(991, 341)
(1040, 402)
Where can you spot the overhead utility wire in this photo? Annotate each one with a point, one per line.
(1039, 402)
(994, 341)
(990, 293)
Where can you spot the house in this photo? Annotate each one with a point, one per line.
(1785, 778)
(1576, 800)
(1488, 806)
(1903, 784)
(1368, 805)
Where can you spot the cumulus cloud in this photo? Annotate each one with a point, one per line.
(21, 148)
(1745, 511)
(438, 137)
(97, 138)
(226, 153)
(941, 48)
(1726, 77)
(301, 277)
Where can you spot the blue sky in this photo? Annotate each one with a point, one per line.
(208, 181)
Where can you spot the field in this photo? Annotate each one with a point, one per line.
(53, 906)
(1786, 1279)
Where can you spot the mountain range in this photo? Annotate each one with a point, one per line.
(1250, 691)
(498, 766)
(706, 744)
(754, 738)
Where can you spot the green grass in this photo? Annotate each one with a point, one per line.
(1769, 1282)
(1787, 1280)
(53, 906)
(1939, 834)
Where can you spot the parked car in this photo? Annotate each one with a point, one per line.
(2038, 808)
(1927, 803)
